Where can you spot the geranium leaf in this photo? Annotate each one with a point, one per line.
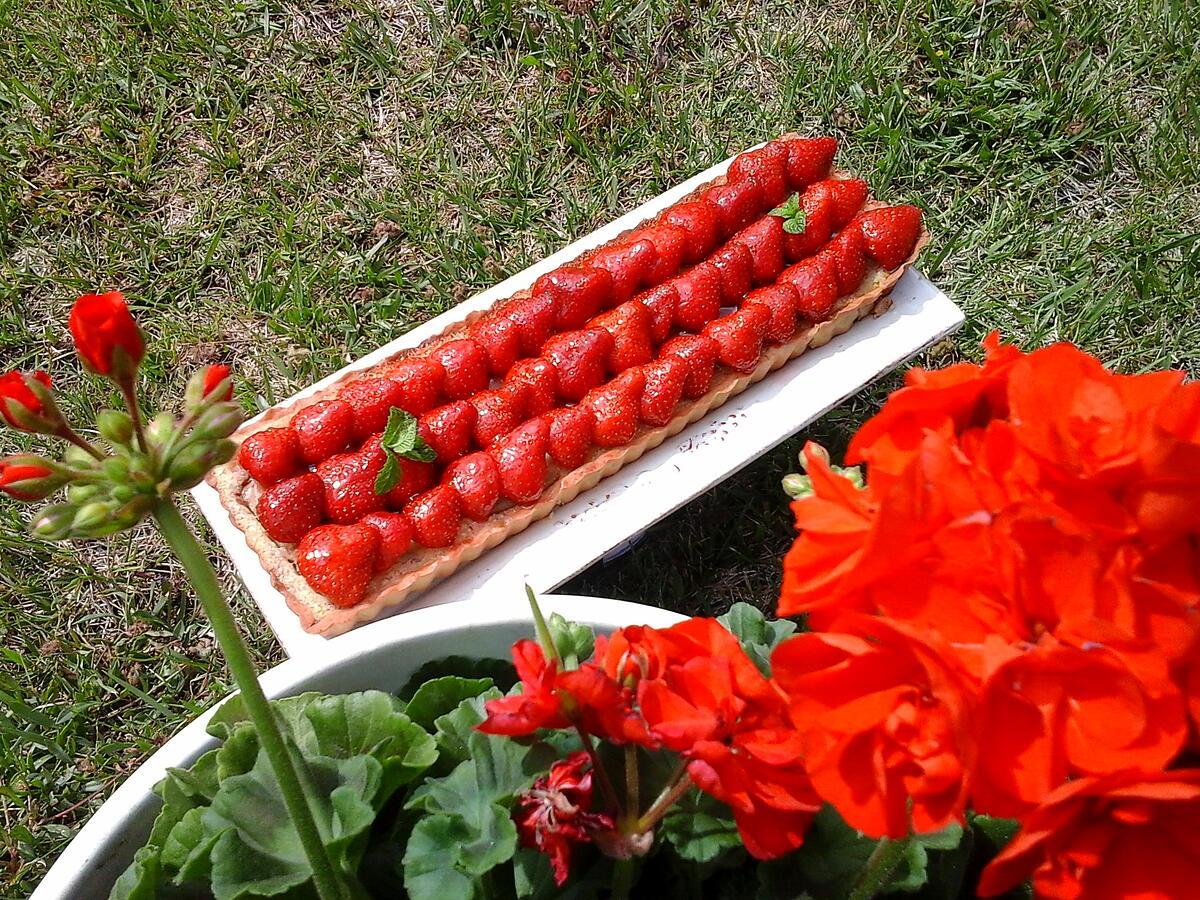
(500, 671)
(831, 858)
(187, 848)
(439, 696)
(758, 635)
(456, 727)
(429, 871)
(140, 881)
(573, 641)
(700, 828)
(533, 878)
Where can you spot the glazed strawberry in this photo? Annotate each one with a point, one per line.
(323, 429)
(661, 302)
(764, 240)
(615, 407)
(845, 197)
(629, 263)
(349, 483)
(448, 430)
(701, 221)
(270, 455)
(338, 561)
(290, 509)
(499, 338)
(415, 476)
(534, 318)
(579, 293)
(570, 435)
(542, 380)
(435, 516)
(780, 301)
(817, 207)
(699, 290)
(395, 537)
(808, 160)
(422, 382)
(466, 366)
(476, 480)
(739, 336)
(699, 354)
(738, 203)
(816, 286)
(665, 380)
(850, 262)
(734, 267)
(496, 414)
(581, 360)
(371, 400)
(669, 242)
(519, 394)
(889, 234)
(521, 460)
(767, 167)
(632, 344)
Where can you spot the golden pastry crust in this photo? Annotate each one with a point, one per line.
(422, 567)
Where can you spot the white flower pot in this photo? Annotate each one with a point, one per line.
(381, 656)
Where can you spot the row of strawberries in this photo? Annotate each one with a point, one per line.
(571, 367)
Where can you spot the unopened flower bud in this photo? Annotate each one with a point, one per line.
(218, 421)
(78, 458)
(211, 384)
(115, 426)
(161, 430)
(80, 494)
(116, 468)
(92, 516)
(28, 477)
(53, 523)
(193, 462)
(797, 485)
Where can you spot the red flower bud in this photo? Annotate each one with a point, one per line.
(23, 481)
(213, 376)
(16, 398)
(106, 336)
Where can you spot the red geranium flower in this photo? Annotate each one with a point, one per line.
(1130, 834)
(213, 376)
(16, 398)
(106, 336)
(555, 814)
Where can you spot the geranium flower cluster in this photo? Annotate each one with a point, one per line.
(1006, 616)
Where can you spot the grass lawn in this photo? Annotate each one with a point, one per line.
(286, 186)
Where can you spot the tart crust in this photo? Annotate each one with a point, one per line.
(422, 567)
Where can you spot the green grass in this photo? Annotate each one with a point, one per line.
(286, 186)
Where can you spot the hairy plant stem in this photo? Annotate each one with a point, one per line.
(606, 785)
(67, 433)
(881, 864)
(632, 801)
(328, 883)
(131, 404)
(676, 787)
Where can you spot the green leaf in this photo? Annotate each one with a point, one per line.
(792, 213)
(997, 832)
(141, 879)
(533, 878)
(455, 728)
(500, 671)
(187, 848)
(573, 641)
(400, 439)
(758, 635)
(829, 861)
(495, 770)
(442, 695)
(796, 223)
(700, 828)
(389, 474)
(429, 870)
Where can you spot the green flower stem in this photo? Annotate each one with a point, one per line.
(632, 801)
(325, 877)
(880, 867)
(622, 879)
(67, 433)
(127, 391)
(676, 788)
(606, 785)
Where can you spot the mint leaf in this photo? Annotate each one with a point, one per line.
(792, 213)
(796, 223)
(400, 439)
(389, 475)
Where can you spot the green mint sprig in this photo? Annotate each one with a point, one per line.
(792, 213)
(400, 439)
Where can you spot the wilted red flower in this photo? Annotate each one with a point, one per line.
(17, 400)
(106, 336)
(213, 376)
(555, 814)
(885, 723)
(23, 481)
(1130, 834)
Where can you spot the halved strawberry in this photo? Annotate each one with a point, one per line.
(270, 455)
(534, 318)
(629, 263)
(570, 435)
(734, 266)
(669, 243)
(338, 561)
(661, 301)
(845, 196)
(699, 354)
(448, 430)
(291, 508)
(521, 460)
(780, 301)
(500, 340)
(699, 290)
(739, 336)
(323, 429)
(632, 344)
(371, 400)
(497, 413)
(349, 483)
(846, 251)
(889, 234)
(615, 407)
(808, 160)
(738, 202)
(701, 221)
(581, 360)
(395, 537)
(816, 286)
(435, 516)
(542, 380)
(466, 366)
(767, 166)
(422, 382)
(764, 240)
(818, 226)
(665, 380)
(579, 293)
(476, 480)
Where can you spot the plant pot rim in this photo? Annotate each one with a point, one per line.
(100, 840)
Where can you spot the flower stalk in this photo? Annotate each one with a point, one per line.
(880, 866)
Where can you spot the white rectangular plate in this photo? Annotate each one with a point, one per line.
(705, 453)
